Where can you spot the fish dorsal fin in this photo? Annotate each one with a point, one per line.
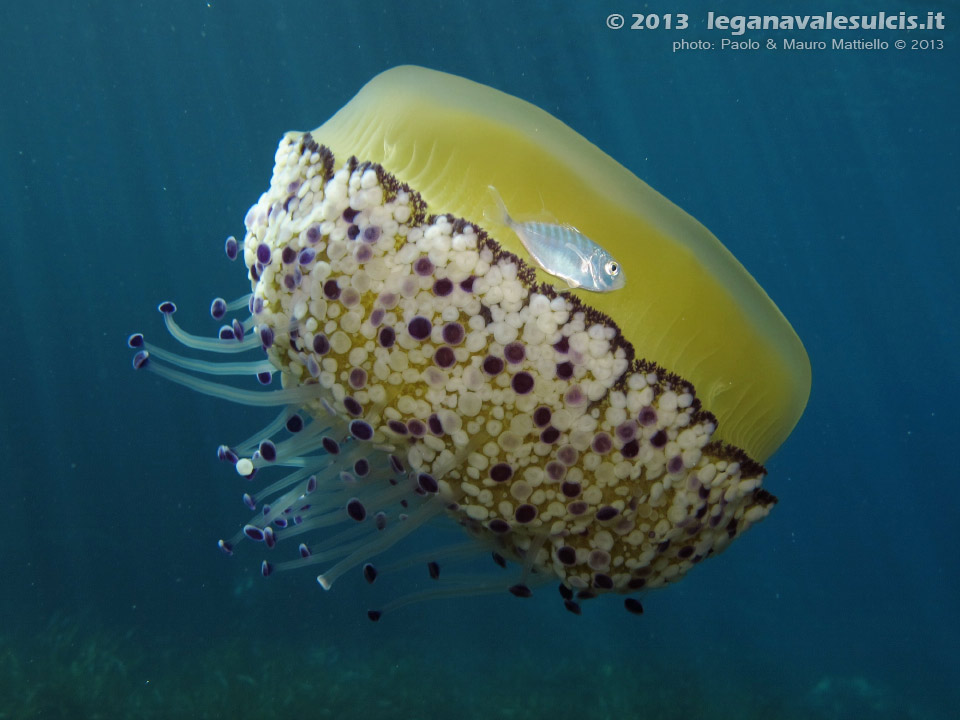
(498, 213)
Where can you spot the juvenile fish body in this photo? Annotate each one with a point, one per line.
(566, 253)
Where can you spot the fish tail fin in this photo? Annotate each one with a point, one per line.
(499, 213)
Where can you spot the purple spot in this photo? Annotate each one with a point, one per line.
(266, 568)
(647, 416)
(577, 508)
(249, 501)
(598, 559)
(376, 317)
(433, 568)
(352, 406)
(369, 573)
(467, 285)
(374, 615)
(562, 345)
(253, 532)
(227, 455)
(514, 353)
(570, 489)
(423, 267)
(266, 336)
(321, 346)
(555, 470)
(226, 333)
(572, 607)
(358, 378)
(397, 426)
(549, 435)
(141, 360)
(675, 464)
(416, 427)
(541, 416)
(263, 254)
(522, 382)
(453, 333)
(568, 455)
(525, 513)
(361, 430)
(331, 289)
(361, 467)
(604, 582)
(265, 377)
(218, 308)
(313, 233)
(311, 484)
(565, 370)
(444, 356)
(371, 234)
(269, 538)
(627, 430)
(607, 512)
(636, 583)
(435, 426)
(501, 472)
(498, 526)
(565, 592)
(492, 365)
(135, 340)
(427, 483)
(330, 445)
(497, 557)
(520, 591)
(442, 287)
(306, 256)
(353, 231)
(567, 555)
(363, 254)
(574, 396)
(225, 547)
(685, 552)
(356, 510)
(630, 450)
(167, 307)
(231, 248)
(349, 215)
(237, 330)
(633, 606)
(419, 328)
(268, 451)
(386, 337)
(303, 550)
(659, 439)
(602, 443)
(288, 255)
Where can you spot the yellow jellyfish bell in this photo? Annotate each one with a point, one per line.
(611, 441)
(689, 305)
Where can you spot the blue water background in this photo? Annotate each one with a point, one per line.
(134, 136)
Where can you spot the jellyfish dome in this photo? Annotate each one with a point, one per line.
(428, 369)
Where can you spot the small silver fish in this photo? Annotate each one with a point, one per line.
(566, 253)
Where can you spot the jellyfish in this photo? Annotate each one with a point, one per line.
(430, 371)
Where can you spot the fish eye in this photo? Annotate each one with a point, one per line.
(612, 268)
